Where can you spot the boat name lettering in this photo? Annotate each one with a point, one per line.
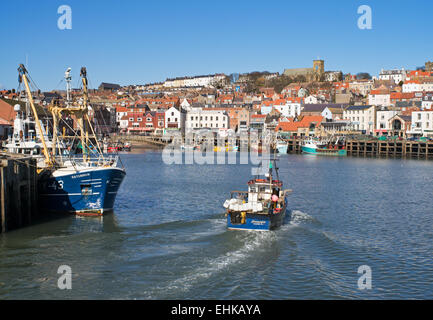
(80, 175)
(257, 222)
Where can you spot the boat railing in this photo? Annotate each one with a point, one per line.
(94, 161)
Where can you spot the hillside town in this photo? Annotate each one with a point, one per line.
(298, 102)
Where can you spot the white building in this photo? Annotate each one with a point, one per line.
(315, 99)
(382, 119)
(288, 109)
(422, 122)
(198, 81)
(396, 75)
(185, 105)
(427, 103)
(362, 118)
(333, 76)
(120, 112)
(414, 86)
(361, 86)
(175, 119)
(379, 98)
(198, 118)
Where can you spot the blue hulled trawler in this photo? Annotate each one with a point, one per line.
(83, 184)
(262, 207)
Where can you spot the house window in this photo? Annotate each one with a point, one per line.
(172, 113)
(131, 119)
(148, 119)
(139, 119)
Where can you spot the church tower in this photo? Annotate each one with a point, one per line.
(318, 69)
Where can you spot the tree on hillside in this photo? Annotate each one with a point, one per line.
(363, 76)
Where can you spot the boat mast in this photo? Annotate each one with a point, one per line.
(79, 111)
(84, 135)
(23, 76)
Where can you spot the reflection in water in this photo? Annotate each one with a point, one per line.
(106, 223)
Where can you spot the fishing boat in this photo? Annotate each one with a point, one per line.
(24, 139)
(322, 148)
(282, 146)
(262, 207)
(83, 184)
(127, 146)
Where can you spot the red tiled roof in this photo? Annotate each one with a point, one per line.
(258, 116)
(7, 112)
(303, 123)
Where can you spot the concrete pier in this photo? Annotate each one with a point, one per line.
(18, 192)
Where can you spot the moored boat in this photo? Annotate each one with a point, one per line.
(82, 185)
(324, 149)
(282, 146)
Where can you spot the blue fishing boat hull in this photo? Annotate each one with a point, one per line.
(258, 222)
(89, 192)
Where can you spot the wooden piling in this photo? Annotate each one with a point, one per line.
(18, 191)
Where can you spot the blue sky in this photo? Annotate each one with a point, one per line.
(140, 41)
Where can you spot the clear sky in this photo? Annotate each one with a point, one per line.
(140, 41)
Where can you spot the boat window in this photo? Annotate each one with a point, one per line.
(253, 189)
(262, 189)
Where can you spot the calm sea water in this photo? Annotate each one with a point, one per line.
(167, 238)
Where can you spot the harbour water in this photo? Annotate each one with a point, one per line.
(167, 238)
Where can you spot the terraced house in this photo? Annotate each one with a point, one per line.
(362, 118)
(199, 118)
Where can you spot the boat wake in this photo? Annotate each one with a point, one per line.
(252, 241)
(298, 217)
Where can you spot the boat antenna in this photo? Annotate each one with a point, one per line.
(274, 159)
(68, 79)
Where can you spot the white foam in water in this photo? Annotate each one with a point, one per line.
(212, 266)
(298, 217)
